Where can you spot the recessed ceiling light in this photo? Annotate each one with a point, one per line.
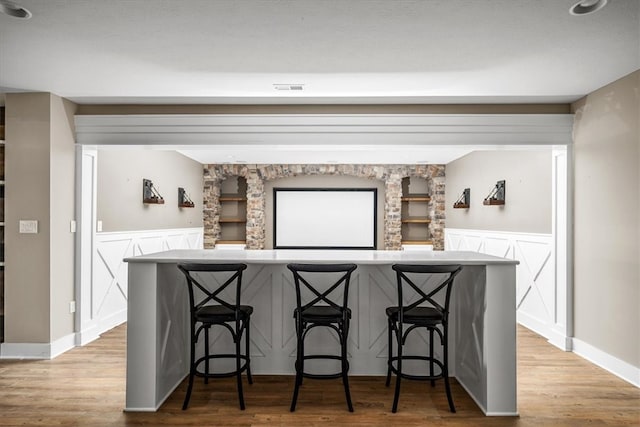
(422, 162)
(12, 9)
(585, 7)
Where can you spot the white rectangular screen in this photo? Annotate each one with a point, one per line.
(319, 218)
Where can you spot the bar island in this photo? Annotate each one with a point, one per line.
(482, 322)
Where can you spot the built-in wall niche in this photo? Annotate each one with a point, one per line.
(415, 217)
(233, 211)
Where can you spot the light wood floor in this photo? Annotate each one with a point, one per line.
(85, 387)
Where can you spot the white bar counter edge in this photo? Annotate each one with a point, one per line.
(483, 356)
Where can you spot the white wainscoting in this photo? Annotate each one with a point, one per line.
(108, 302)
(536, 294)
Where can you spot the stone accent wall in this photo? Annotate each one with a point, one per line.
(256, 175)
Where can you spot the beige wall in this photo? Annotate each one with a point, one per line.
(119, 192)
(39, 281)
(607, 222)
(528, 191)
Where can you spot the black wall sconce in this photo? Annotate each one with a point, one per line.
(464, 200)
(149, 193)
(496, 197)
(183, 199)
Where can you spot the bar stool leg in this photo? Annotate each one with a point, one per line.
(248, 344)
(345, 377)
(187, 397)
(237, 337)
(298, 366)
(433, 382)
(445, 369)
(396, 395)
(390, 345)
(206, 355)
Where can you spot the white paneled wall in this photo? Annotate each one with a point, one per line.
(536, 292)
(107, 305)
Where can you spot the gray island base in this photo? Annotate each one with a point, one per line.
(482, 321)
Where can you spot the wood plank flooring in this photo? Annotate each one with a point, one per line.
(85, 387)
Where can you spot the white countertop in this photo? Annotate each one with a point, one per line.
(283, 256)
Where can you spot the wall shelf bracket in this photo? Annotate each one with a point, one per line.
(497, 195)
(149, 193)
(464, 200)
(183, 199)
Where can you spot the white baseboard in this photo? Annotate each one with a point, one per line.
(37, 350)
(610, 363)
(114, 319)
(558, 339)
(87, 335)
(533, 324)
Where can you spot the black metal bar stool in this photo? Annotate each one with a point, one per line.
(210, 305)
(423, 312)
(321, 310)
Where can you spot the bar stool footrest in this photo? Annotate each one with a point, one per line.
(201, 374)
(435, 361)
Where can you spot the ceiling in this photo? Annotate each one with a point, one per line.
(336, 51)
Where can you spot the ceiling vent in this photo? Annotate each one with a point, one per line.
(288, 86)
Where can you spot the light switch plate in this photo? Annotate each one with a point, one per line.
(28, 226)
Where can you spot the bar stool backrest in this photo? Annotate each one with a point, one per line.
(203, 292)
(321, 293)
(406, 281)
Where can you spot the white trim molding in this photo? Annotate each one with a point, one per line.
(37, 350)
(617, 367)
(326, 129)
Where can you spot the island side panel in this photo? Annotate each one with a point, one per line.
(466, 329)
(500, 337)
(172, 330)
(141, 338)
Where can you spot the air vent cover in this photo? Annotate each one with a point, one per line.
(288, 86)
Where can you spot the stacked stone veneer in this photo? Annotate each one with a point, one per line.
(256, 175)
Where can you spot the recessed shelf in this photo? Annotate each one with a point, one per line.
(416, 242)
(416, 220)
(416, 198)
(232, 198)
(231, 242)
(232, 220)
